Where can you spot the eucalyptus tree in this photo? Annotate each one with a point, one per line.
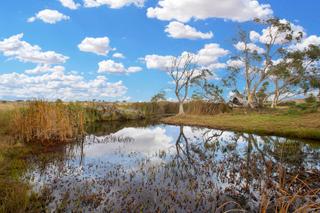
(312, 60)
(208, 91)
(258, 54)
(297, 73)
(160, 96)
(185, 72)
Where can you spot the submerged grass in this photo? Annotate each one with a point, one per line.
(48, 123)
(303, 126)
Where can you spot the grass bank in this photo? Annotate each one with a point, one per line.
(303, 126)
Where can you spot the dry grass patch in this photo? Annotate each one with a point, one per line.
(48, 123)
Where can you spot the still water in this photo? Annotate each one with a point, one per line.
(150, 167)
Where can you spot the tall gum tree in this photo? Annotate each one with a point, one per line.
(185, 72)
(258, 54)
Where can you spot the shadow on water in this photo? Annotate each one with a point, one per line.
(152, 167)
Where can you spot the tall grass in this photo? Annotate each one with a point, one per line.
(171, 108)
(206, 108)
(155, 108)
(48, 123)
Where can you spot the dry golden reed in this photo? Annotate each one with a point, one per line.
(172, 108)
(48, 123)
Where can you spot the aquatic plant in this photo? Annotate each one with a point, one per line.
(48, 123)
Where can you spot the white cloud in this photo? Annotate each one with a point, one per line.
(56, 85)
(184, 11)
(235, 63)
(134, 69)
(49, 16)
(251, 46)
(99, 46)
(271, 33)
(110, 66)
(158, 61)
(207, 57)
(44, 68)
(118, 55)
(179, 30)
(114, 4)
(15, 47)
(71, 4)
(305, 43)
(210, 54)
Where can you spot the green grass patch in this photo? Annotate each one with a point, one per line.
(304, 125)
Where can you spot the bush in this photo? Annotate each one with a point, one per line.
(311, 99)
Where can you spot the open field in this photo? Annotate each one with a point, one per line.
(304, 126)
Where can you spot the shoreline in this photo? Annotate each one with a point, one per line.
(295, 127)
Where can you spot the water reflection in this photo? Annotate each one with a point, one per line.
(174, 168)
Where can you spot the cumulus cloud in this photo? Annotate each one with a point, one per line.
(210, 54)
(71, 4)
(235, 63)
(15, 47)
(158, 62)
(118, 55)
(179, 30)
(114, 4)
(207, 57)
(184, 11)
(272, 33)
(110, 66)
(49, 16)
(250, 46)
(134, 69)
(44, 68)
(58, 84)
(99, 46)
(305, 43)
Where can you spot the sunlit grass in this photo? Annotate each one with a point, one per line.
(305, 125)
(48, 123)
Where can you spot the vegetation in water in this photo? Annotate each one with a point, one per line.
(205, 170)
(48, 123)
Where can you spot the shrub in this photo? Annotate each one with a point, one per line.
(311, 99)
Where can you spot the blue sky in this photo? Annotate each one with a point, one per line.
(131, 30)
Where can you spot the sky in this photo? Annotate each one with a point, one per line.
(119, 49)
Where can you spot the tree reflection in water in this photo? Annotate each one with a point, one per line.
(182, 169)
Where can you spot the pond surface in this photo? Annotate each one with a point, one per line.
(121, 167)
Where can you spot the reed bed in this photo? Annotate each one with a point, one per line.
(171, 108)
(48, 123)
(206, 108)
(155, 108)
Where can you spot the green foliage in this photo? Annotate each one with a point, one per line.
(311, 99)
(209, 92)
(161, 96)
(310, 106)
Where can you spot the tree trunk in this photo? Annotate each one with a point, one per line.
(181, 108)
(275, 100)
(276, 95)
(250, 102)
(319, 95)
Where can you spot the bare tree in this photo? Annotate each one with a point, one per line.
(184, 71)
